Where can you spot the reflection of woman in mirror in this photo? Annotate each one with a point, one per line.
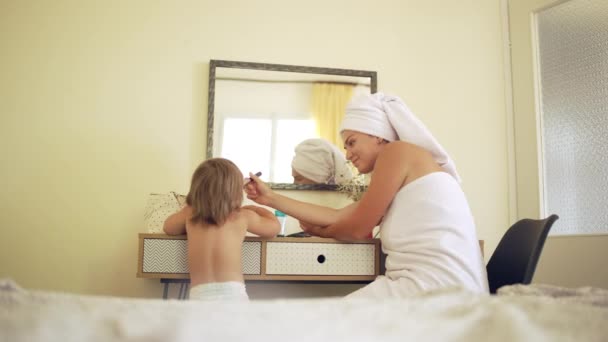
(317, 161)
(427, 229)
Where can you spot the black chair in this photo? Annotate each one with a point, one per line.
(515, 258)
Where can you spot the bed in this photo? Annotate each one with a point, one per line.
(531, 313)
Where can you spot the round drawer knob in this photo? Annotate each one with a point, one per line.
(321, 259)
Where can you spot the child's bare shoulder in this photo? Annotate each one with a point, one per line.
(255, 209)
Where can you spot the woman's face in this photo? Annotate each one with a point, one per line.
(362, 149)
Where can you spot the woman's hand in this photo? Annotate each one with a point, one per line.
(258, 191)
(312, 229)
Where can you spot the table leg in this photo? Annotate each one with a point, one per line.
(181, 291)
(165, 290)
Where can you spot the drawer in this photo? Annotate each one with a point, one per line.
(171, 256)
(332, 259)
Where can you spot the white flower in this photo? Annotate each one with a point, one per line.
(354, 188)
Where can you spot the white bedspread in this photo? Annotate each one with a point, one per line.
(451, 315)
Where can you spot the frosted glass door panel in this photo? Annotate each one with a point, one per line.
(573, 61)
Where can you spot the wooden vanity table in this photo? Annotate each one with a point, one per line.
(301, 259)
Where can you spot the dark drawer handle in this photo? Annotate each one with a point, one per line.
(321, 259)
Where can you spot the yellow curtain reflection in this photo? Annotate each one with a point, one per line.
(328, 104)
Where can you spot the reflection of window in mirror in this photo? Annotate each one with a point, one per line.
(258, 129)
(289, 134)
(250, 142)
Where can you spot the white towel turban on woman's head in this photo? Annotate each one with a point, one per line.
(388, 117)
(321, 161)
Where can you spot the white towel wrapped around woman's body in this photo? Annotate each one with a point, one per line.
(429, 236)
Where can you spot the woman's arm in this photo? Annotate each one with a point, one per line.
(175, 224)
(259, 192)
(390, 173)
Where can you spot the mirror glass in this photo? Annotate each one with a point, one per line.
(259, 112)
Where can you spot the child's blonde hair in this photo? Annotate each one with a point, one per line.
(216, 191)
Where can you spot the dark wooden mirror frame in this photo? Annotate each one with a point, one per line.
(214, 63)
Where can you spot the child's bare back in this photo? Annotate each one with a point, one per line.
(214, 252)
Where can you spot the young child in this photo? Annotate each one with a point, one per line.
(216, 226)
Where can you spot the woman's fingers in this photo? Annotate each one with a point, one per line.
(257, 190)
(305, 226)
(308, 227)
(255, 177)
(250, 187)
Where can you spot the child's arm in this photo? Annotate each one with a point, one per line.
(175, 224)
(261, 221)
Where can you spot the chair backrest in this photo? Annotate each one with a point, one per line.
(514, 259)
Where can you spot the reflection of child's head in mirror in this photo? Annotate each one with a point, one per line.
(216, 191)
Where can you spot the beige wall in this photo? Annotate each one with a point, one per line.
(103, 102)
(566, 260)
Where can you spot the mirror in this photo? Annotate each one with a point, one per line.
(258, 113)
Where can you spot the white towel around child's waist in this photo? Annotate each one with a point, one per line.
(226, 291)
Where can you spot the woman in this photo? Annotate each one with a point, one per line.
(426, 227)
